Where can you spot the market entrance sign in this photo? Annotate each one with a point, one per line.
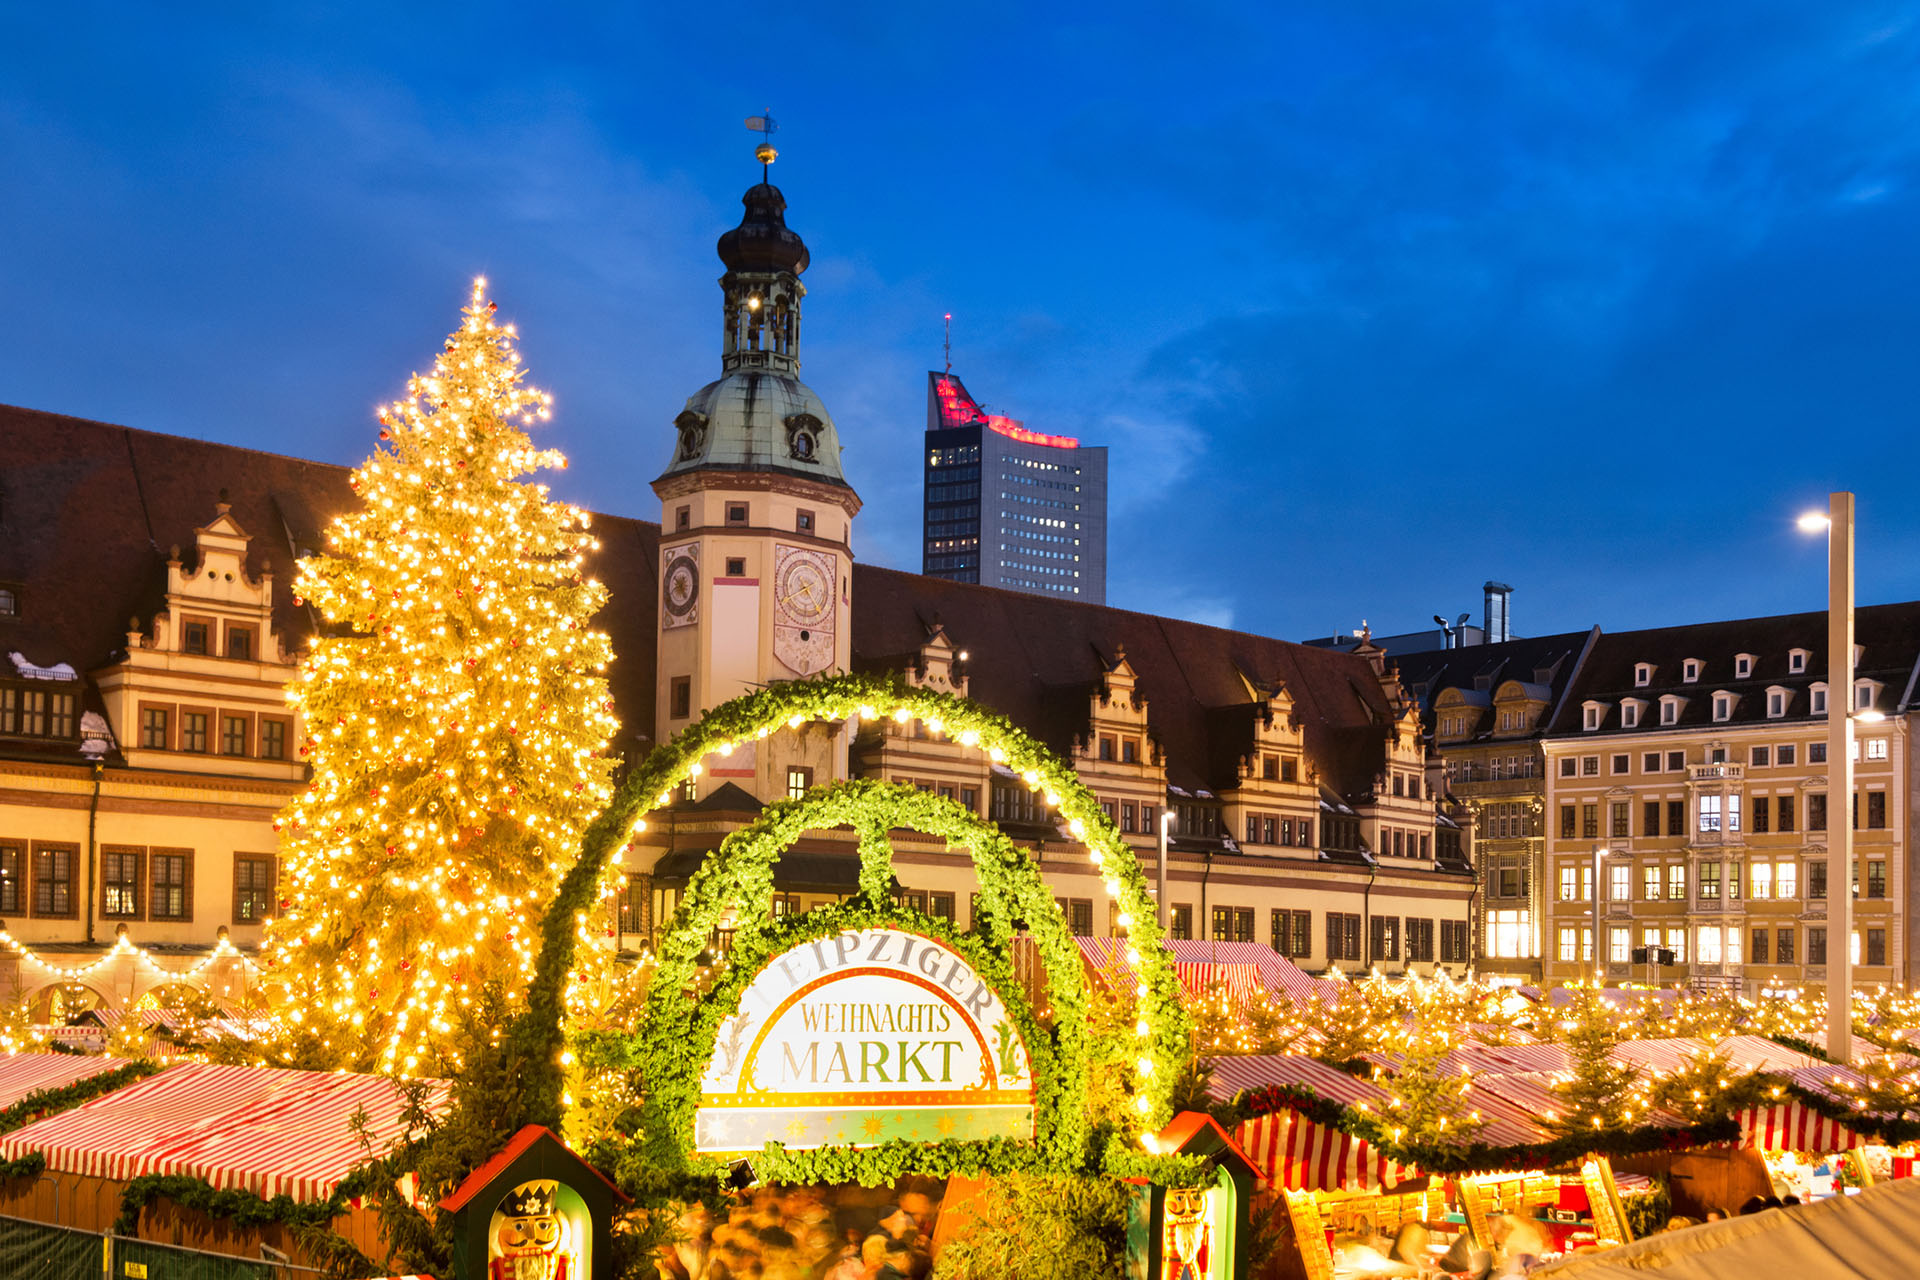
(860, 1038)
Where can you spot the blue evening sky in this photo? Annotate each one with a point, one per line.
(1372, 301)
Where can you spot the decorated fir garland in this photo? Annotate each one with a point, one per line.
(537, 1039)
(677, 1037)
(30, 1165)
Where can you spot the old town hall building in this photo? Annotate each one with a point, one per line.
(148, 635)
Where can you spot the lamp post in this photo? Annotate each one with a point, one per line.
(1166, 824)
(1838, 522)
(1600, 853)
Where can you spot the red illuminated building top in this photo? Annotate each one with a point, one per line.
(953, 407)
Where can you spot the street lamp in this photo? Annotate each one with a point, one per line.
(1166, 825)
(1838, 522)
(1600, 853)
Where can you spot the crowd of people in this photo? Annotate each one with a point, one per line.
(808, 1233)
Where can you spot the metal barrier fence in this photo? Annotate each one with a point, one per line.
(39, 1251)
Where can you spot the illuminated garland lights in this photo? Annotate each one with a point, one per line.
(122, 946)
(456, 717)
(678, 1034)
(537, 1040)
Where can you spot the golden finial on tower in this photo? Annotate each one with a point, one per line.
(765, 126)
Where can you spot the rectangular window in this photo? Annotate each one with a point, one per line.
(970, 799)
(1762, 881)
(1709, 881)
(153, 728)
(1619, 814)
(736, 513)
(1419, 939)
(1710, 815)
(1302, 935)
(1816, 754)
(53, 880)
(1876, 748)
(803, 521)
(1386, 937)
(1243, 924)
(1761, 814)
(1590, 821)
(1676, 882)
(1650, 818)
(1619, 945)
(1181, 923)
(1280, 930)
(1759, 757)
(273, 739)
(1876, 810)
(1650, 882)
(252, 888)
(1816, 812)
(1783, 811)
(1567, 766)
(1289, 770)
(1736, 877)
(1783, 755)
(193, 637)
(1453, 941)
(1569, 884)
(1876, 878)
(1816, 946)
(1785, 878)
(1876, 946)
(193, 731)
(1589, 766)
(1106, 747)
(170, 899)
(1079, 913)
(940, 906)
(240, 642)
(120, 883)
(1676, 817)
(1566, 821)
(1816, 879)
(12, 866)
(799, 781)
(680, 697)
(1620, 880)
(1676, 761)
(1759, 948)
(1783, 950)
(233, 735)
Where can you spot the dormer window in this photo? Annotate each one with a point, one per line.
(1817, 699)
(1743, 665)
(1670, 709)
(1592, 713)
(1723, 706)
(1690, 670)
(1797, 660)
(1865, 694)
(9, 603)
(193, 637)
(1777, 702)
(1642, 674)
(1630, 709)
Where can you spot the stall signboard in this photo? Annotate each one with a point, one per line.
(862, 1038)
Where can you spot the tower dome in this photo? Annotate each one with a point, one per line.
(758, 416)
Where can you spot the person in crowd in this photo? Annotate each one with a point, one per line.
(1714, 1215)
(1411, 1244)
(1754, 1204)
(1787, 1201)
(1680, 1222)
(1523, 1245)
(1358, 1257)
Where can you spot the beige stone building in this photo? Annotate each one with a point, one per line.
(145, 740)
(1689, 768)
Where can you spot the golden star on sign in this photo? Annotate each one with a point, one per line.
(872, 1125)
(946, 1125)
(797, 1129)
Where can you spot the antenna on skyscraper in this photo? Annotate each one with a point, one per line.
(948, 346)
(765, 126)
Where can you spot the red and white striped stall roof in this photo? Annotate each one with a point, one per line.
(25, 1073)
(1276, 973)
(1660, 1057)
(1757, 1053)
(1257, 1071)
(1794, 1126)
(1509, 1058)
(1294, 1152)
(265, 1130)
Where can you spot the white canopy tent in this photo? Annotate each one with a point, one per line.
(1872, 1236)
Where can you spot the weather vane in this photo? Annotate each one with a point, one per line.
(766, 127)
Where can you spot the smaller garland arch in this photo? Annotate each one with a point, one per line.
(678, 1034)
(1161, 1030)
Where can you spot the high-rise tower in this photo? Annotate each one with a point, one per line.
(755, 518)
(1010, 507)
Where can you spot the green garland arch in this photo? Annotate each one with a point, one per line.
(537, 1041)
(678, 1033)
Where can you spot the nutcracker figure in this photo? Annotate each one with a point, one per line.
(530, 1240)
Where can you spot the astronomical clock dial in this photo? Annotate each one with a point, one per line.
(680, 586)
(803, 603)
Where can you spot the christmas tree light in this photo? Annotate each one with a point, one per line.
(456, 714)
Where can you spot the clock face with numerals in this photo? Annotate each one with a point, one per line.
(805, 588)
(680, 587)
(804, 613)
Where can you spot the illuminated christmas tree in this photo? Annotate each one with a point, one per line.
(456, 718)
(1428, 1104)
(1598, 1092)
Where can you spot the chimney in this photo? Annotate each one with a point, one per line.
(1498, 626)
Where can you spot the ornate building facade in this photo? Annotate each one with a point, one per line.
(145, 741)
